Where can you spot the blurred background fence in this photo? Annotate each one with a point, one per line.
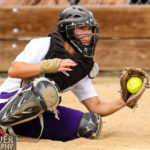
(71, 2)
(124, 31)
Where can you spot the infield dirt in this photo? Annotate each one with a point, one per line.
(126, 129)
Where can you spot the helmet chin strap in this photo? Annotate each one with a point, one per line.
(70, 48)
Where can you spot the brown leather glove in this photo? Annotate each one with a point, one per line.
(129, 98)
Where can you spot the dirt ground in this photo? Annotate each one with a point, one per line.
(126, 129)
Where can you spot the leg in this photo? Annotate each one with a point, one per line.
(72, 124)
(63, 129)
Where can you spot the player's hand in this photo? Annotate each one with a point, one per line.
(65, 65)
(56, 65)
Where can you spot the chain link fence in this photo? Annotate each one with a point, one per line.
(70, 2)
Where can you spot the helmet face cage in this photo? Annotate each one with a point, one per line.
(76, 17)
(86, 49)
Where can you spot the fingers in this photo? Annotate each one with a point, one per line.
(64, 69)
(66, 64)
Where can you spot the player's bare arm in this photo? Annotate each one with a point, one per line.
(103, 108)
(25, 70)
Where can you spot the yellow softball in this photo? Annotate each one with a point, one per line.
(134, 84)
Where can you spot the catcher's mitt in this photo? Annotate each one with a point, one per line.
(131, 99)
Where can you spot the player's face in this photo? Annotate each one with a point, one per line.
(84, 34)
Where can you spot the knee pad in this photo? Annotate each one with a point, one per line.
(23, 106)
(90, 126)
(29, 103)
(48, 91)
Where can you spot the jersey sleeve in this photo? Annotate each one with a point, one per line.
(34, 51)
(84, 89)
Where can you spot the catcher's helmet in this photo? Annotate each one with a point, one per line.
(76, 17)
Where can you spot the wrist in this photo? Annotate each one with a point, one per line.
(49, 65)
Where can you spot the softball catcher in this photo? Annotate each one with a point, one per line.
(48, 66)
